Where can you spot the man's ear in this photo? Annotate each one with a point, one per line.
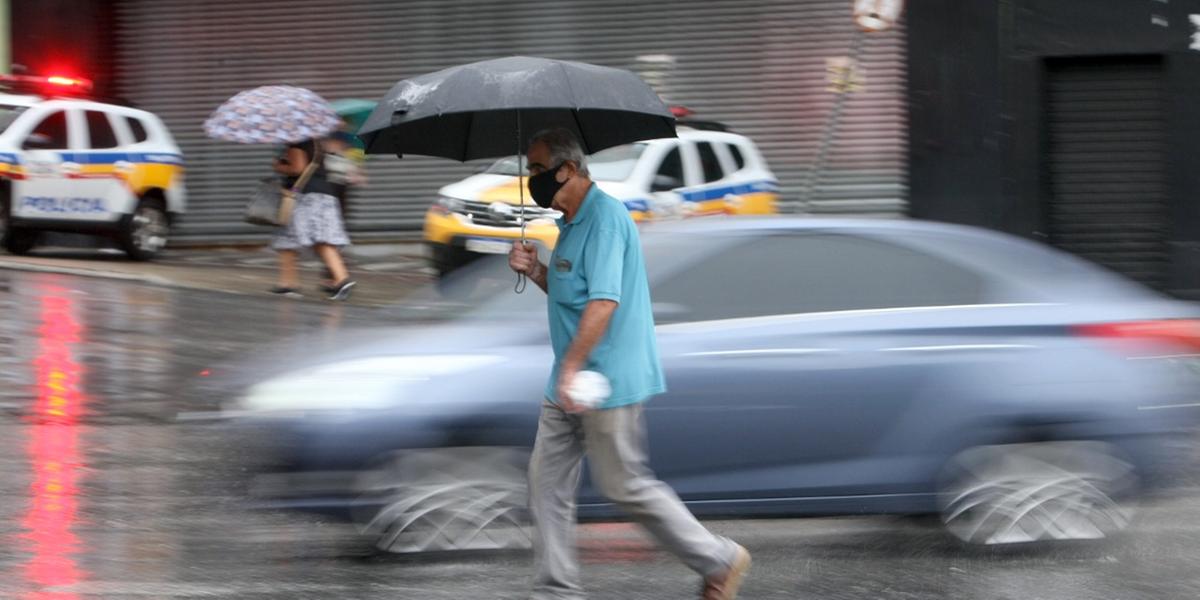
(571, 170)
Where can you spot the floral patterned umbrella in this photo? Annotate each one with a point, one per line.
(272, 114)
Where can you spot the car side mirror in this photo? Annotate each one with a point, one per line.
(664, 183)
(38, 141)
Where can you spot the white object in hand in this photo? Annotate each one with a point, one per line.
(589, 389)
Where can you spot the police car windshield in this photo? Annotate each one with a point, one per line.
(8, 114)
(615, 164)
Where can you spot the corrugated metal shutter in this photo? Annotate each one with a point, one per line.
(760, 67)
(1107, 170)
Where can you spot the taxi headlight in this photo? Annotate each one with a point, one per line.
(360, 384)
(451, 204)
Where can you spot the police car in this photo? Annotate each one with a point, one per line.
(73, 165)
(701, 172)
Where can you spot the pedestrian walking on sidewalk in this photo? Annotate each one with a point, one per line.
(316, 223)
(600, 320)
(345, 169)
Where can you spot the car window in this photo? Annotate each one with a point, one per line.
(100, 131)
(54, 128)
(736, 153)
(709, 162)
(139, 130)
(672, 166)
(784, 274)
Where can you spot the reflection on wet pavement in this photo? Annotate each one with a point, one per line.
(53, 446)
(105, 494)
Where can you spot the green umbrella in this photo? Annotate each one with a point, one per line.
(354, 110)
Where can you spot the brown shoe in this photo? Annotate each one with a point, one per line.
(726, 586)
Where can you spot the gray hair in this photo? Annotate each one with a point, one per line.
(563, 146)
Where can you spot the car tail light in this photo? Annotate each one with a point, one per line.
(1139, 336)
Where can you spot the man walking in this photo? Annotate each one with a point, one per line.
(600, 320)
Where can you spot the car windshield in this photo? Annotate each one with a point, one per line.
(484, 289)
(8, 114)
(505, 166)
(615, 164)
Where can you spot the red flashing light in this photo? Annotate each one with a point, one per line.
(56, 82)
(680, 112)
(64, 81)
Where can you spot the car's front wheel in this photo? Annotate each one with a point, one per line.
(1019, 493)
(447, 499)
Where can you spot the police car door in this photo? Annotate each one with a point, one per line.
(42, 192)
(669, 176)
(108, 165)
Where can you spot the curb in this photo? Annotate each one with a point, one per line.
(63, 270)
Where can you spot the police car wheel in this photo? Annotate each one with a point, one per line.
(20, 241)
(145, 233)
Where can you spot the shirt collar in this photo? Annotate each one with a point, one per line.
(587, 207)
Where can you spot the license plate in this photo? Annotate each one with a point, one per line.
(488, 246)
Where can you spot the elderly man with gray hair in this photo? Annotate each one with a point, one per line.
(601, 321)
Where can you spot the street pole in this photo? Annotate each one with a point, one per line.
(842, 87)
(869, 16)
(5, 38)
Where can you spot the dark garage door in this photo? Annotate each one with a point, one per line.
(1107, 174)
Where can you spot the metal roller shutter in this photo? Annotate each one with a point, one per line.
(760, 67)
(1107, 163)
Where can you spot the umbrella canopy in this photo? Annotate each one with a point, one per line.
(487, 109)
(273, 114)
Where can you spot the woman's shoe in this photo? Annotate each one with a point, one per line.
(287, 292)
(341, 291)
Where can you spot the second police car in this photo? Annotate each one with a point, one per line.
(73, 165)
(702, 172)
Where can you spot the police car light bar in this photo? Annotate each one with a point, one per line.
(57, 81)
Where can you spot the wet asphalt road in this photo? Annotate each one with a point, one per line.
(107, 495)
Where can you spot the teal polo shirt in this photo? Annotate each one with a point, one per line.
(599, 257)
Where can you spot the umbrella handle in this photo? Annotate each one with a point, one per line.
(521, 280)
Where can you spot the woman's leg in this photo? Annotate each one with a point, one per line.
(289, 275)
(332, 259)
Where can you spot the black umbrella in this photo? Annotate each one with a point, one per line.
(482, 109)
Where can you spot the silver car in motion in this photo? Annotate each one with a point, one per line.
(814, 367)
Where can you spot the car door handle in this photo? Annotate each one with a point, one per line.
(70, 168)
(761, 352)
(123, 166)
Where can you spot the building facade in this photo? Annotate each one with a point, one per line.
(1074, 122)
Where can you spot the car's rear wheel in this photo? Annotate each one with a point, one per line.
(447, 499)
(1020, 493)
(146, 231)
(20, 241)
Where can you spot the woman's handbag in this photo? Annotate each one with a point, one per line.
(271, 204)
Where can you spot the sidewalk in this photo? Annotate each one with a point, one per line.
(384, 272)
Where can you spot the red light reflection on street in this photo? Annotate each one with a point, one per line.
(53, 449)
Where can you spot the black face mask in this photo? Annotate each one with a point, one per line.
(544, 186)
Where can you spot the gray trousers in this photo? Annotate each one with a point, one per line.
(614, 441)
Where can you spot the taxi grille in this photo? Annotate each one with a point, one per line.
(479, 214)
